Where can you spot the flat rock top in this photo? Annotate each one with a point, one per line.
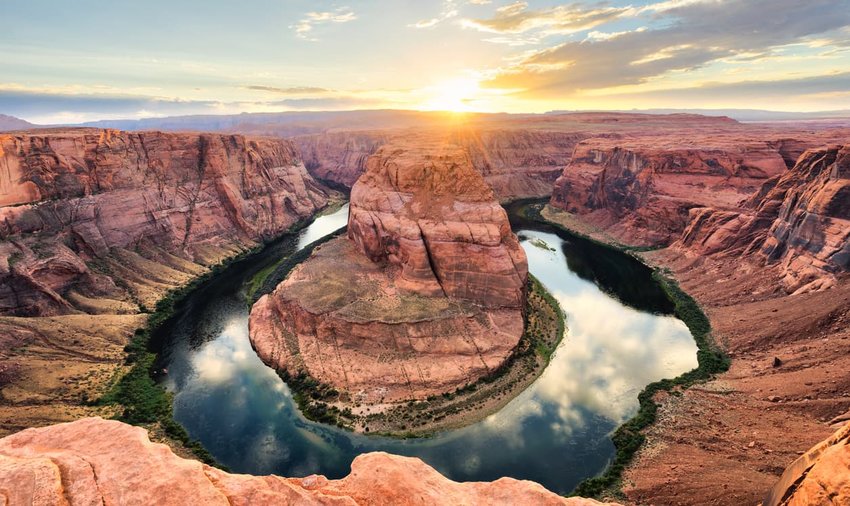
(360, 292)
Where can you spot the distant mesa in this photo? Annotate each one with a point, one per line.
(424, 295)
(9, 123)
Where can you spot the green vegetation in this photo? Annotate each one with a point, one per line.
(543, 331)
(628, 438)
(137, 395)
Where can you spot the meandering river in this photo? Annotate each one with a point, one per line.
(620, 337)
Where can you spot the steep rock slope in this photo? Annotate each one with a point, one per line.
(798, 221)
(641, 190)
(73, 199)
(424, 295)
(516, 163)
(97, 225)
(95, 461)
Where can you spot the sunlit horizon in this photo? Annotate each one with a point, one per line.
(89, 61)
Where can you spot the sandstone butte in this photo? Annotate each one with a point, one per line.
(425, 294)
(514, 162)
(95, 461)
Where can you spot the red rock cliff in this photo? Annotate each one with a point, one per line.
(641, 190)
(95, 461)
(425, 294)
(798, 221)
(73, 198)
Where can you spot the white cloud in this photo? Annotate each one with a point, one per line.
(304, 27)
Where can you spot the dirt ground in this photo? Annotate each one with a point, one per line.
(726, 442)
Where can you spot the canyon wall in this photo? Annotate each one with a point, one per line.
(96, 461)
(425, 295)
(74, 202)
(97, 225)
(641, 190)
(798, 221)
(516, 163)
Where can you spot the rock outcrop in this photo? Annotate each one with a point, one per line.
(96, 461)
(641, 190)
(72, 200)
(425, 294)
(515, 163)
(820, 477)
(798, 221)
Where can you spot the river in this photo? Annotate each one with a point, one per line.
(620, 337)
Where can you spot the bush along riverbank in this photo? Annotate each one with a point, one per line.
(543, 330)
(711, 361)
(136, 396)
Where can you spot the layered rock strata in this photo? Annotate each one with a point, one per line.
(97, 225)
(516, 163)
(798, 221)
(424, 295)
(96, 461)
(75, 199)
(641, 191)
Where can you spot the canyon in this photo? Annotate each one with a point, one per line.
(98, 225)
(752, 220)
(425, 295)
(96, 461)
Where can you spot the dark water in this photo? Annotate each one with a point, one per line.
(556, 432)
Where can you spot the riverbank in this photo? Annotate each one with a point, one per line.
(544, 329)
(134, 396)
(727, 439)
(712, 359)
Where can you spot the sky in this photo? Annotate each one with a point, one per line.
(71, 61)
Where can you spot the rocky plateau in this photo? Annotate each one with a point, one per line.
(425, 294)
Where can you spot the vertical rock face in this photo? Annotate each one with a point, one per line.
(427, 212)
(515, 163)
(799, 221)
(73, 197)
(95, 461)
(641, 191)
(426, 294)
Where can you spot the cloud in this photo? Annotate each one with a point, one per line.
(689, 34)
(304, 27)
(292, 90)
(516, 18)
(830, 85)
(448, 11)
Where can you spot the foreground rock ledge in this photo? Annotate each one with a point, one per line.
(424, 296)
(96, 461)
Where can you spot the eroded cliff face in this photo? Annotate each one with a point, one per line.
(515, 163)
(425, 294)
(798, 221)
(641, 191)
(77, 202)
(96, 461)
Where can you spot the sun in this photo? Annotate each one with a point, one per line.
(455, 95)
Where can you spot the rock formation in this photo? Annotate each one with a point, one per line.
(73, 199)
(96, 461)
(641, 190)
(820, 477)
(425, 294)
(798, 221)
(516, 163)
